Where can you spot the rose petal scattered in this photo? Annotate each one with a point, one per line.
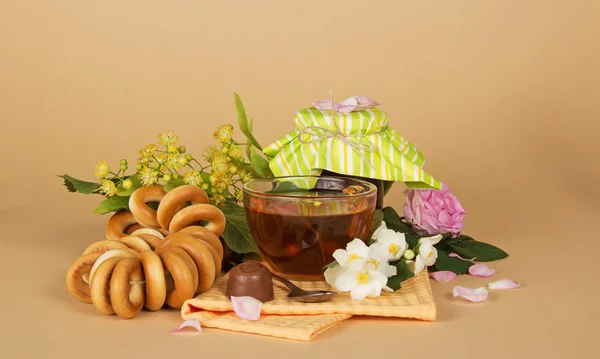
(456, 255)
(247, 308)
(189, 323)
(504, 284)
(473, 295)
(443, 276)
(481, 270)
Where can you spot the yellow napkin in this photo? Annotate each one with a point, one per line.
(288, 318)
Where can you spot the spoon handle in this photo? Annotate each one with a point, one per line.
(287, 283)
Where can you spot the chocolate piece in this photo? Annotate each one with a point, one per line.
(250, 279)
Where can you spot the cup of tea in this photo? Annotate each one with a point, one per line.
(298, 222)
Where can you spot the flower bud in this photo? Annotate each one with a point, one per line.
(139, 166)
(166, 177)
(127, 183)
(123, 162)
(123, 167)
(408, 254)
(205, 186)
(225, 150)
(175, 175)
(233, 170)
(214, 190)
(188, 157)
(212, 179)
(181, 149)
(183, 161)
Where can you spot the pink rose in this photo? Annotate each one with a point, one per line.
(434, 211)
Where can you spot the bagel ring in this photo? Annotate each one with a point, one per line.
(181, 275)
(127, 299)
(136, 243)
(113, 253)
(145, 215)
(156, 287)
(199, 252)
(74, 278)
(176, 199)
(118, 224)
(198, 212)
(207, 236)
(99, 290)
(150, 239)
(189, 261)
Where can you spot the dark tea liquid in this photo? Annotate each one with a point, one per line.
(298, 245)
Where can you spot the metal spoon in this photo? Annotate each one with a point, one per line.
(307, 296)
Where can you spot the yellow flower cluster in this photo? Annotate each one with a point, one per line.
(167, 163)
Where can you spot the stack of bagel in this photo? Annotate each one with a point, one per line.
(152, 257)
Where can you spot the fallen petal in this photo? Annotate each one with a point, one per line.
(323, 104)
(473, 295)
(504, 284)
(443, 276)
(247, 308)
(481, 270)
(190, 323)
(455, 255)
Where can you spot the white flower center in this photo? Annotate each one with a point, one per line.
(362, 278)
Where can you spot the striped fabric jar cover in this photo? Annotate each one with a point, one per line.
(359, 144)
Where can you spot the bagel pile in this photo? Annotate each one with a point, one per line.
(152, 257)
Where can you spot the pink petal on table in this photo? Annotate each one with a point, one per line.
(481, 270)
(193, 323)
(473, 295)
(247, 308)
(455, 255)
(504, 284)
(443, 276)
(322, 104)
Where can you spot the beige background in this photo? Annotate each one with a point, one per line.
(501, 96)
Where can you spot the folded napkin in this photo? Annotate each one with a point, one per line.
(289, 318)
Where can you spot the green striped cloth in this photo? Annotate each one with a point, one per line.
(380, 153)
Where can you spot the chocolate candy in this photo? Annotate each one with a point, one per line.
(250, 279)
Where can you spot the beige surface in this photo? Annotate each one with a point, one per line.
(506, 90)
(292, 319)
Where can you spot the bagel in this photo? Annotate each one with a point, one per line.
(199, 252)
(176, 199)
(127, 299)
(134, 227)
(150, 239)
(103, 246)
(138, 200)
(189, 261)
(99, 287)
(154, 273)
(198, 212)
(113, 253)
(207, 236)
(136, 243)
(118, 224)
(74, 278)
(182, 286)
(150, 231)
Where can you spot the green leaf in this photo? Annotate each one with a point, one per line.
(403, 273)
(467, 247)
(237, 235)
(329, 266)
(112, 204)
(394, 222)
(245, 127)
(375, 222)
(260, 165)
(412, 240)
(458, 266)
(79, 186)
(136, 183)
(173, 184)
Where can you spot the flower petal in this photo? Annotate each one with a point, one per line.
(346, 281)
(332, 274)
(341, 256)
(504, 284)
(323, 104)
(247, 308)
(481, 270)
(443, 276)
(455, 255)
(419, 265)
(189, 323)
(472, 295)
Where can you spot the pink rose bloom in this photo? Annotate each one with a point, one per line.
(434, 211)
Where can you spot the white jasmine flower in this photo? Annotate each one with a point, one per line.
(362, 283)
(427, 253)
(395, 243)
